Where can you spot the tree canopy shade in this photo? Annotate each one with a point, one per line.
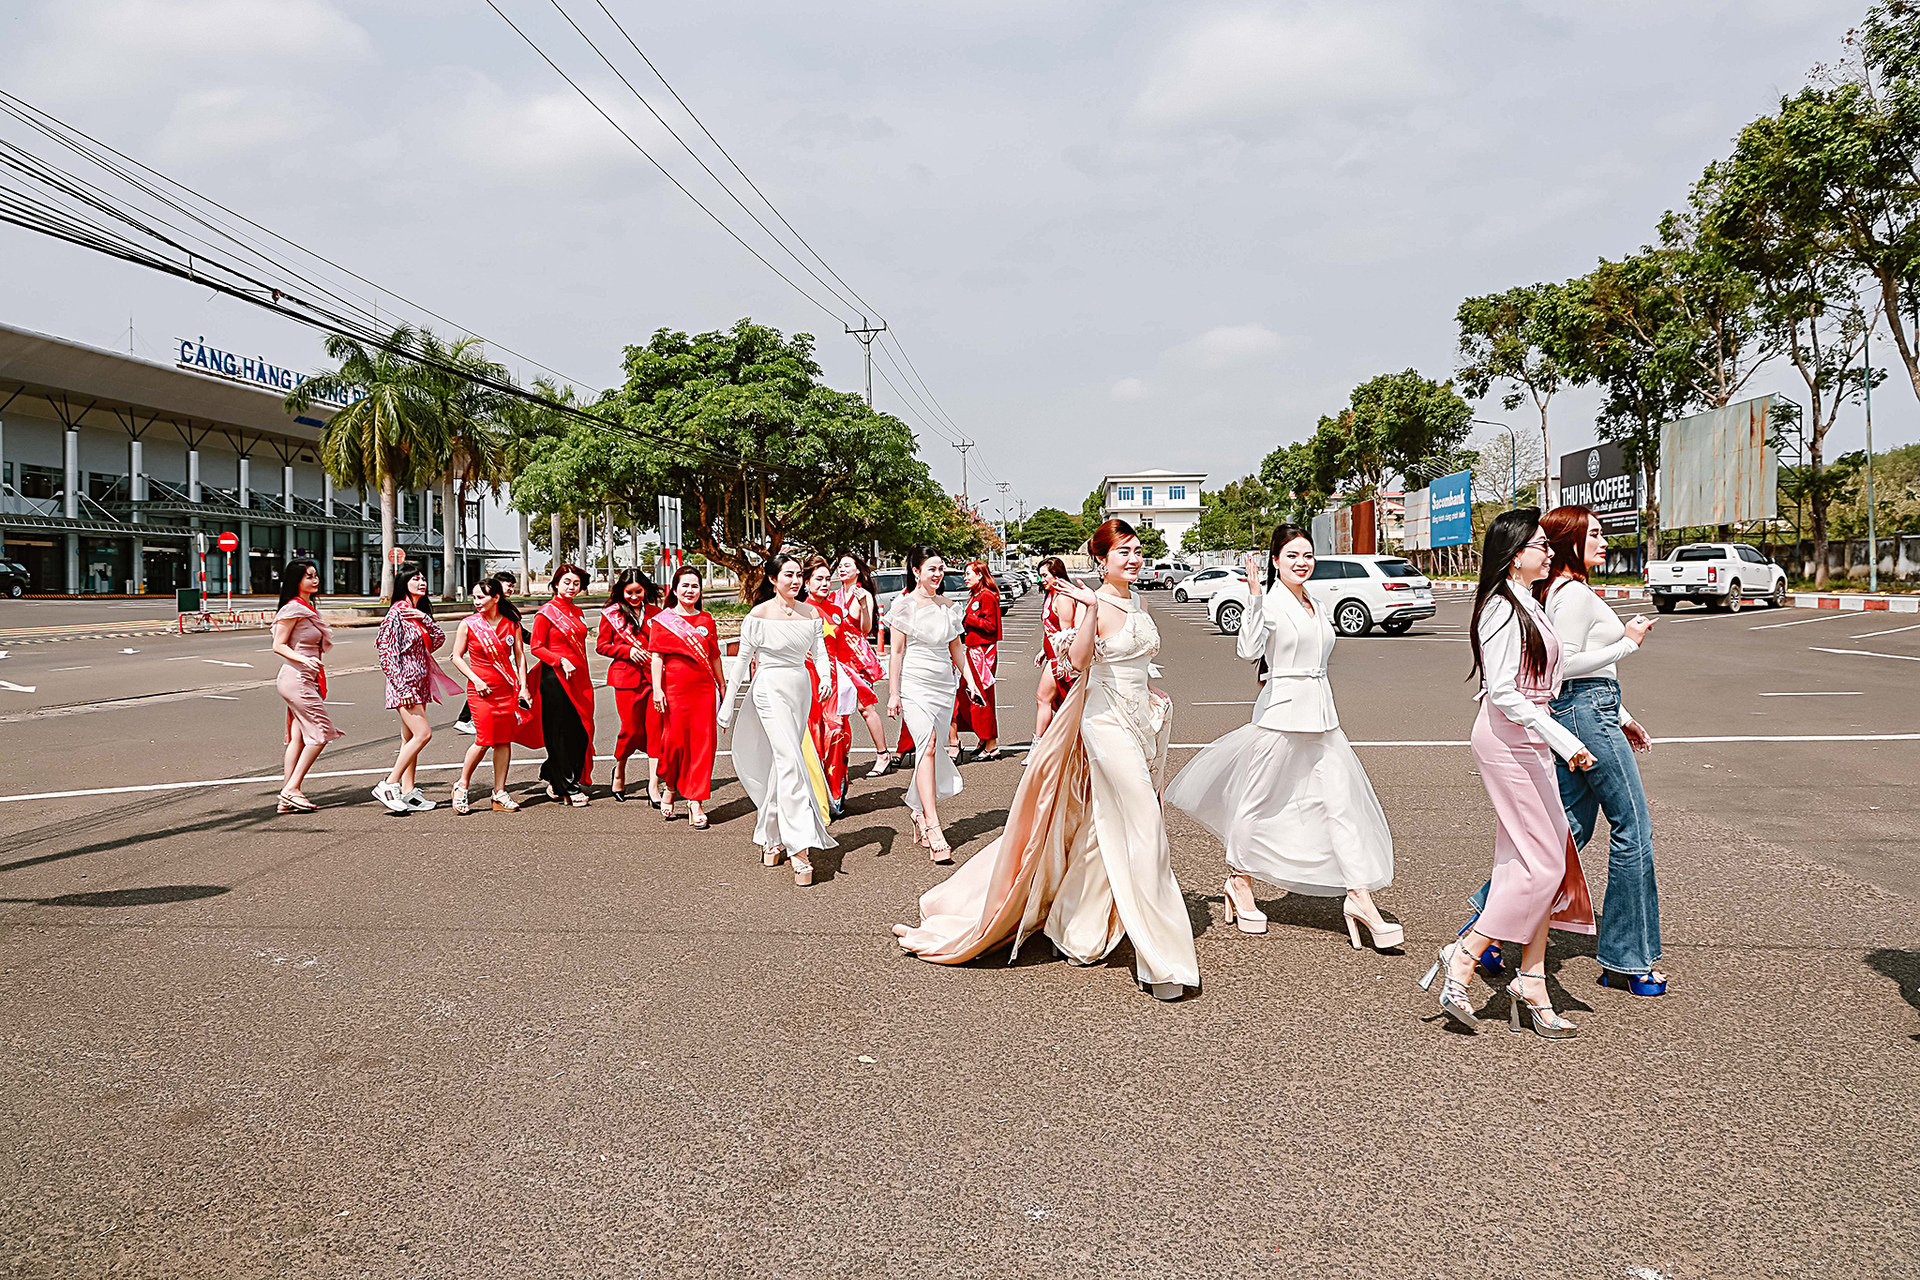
(1051, 531)
(1509, 338)
(1236, 517)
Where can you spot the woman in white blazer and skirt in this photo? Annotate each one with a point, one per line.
(1285, 793)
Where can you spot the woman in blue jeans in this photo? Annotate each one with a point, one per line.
(1593, 639)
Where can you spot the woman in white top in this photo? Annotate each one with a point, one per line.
(1537, 879)
(926, 665)
(1084, 856)
(1592, 639)
(772, 751)
(1285, 793)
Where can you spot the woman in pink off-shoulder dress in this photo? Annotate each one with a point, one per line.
(302, 637)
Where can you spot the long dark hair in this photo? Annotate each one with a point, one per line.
(498, 590)
(291, 576)
(780, 560)
(650, 595)
(863, 573)
(1566, 530)
(401, 577)
(1055, 566)
(917, 556)
(1506, 536)
(1282, 535)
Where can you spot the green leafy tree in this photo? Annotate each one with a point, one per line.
(473, 428)
(1301, 477)
(1238, 516)
(1051, 531)
(1153, 543)
(1091, 508)
(1508, 338)
(389, 436)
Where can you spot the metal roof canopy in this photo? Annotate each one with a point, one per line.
(76, 379)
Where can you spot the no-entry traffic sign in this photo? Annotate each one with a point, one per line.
(229, 542)
(396, 557)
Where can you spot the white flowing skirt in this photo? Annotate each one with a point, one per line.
(772, 755)
(927, 693)
(1293, 809)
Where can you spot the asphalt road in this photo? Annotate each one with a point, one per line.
(588, 1043)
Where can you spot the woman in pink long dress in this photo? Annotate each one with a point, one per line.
(302, 637)
(1537, 880)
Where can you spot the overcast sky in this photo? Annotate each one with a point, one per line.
(1111, 235)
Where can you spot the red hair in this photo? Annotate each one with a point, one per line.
(1108, 535)
(1566, 532)
(986, 575)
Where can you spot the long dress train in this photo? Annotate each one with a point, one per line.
(772, 750)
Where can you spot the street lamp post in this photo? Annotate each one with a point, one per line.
(1513, 457)
(1866, 383)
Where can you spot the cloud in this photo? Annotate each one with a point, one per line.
(547, 136)
(1228, 345)
(1129, 389)
(1248, 72)
(210, 123)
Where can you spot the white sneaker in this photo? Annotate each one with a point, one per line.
(465, 726)
(417, 802)
(388, 794)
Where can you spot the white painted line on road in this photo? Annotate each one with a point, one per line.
(189, 657)
(1865, 653)
(1824, 693)
(87, 667)
(222, 697)
(1893, 631)
(1247, 703)
(218, 663)
(1447, 639)
(17, 688)
(1800, 622)
(129, 651)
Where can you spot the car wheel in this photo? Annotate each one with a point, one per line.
(1351, 619)
(1180, 596)
(1779, 597)
(1396, 626)
(1229, 619)
(15, 591)
(1734, 599)
(1663, 604)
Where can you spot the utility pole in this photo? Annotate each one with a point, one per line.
(1003, 486)
(1866, 382)
(963, 446)
(867, 333)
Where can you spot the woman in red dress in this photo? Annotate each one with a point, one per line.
(854, 599)
(1058, 614)
(975, 714)
(488, 651)
(836, 693)
(562, 717)
(623, 639)
(687, 678)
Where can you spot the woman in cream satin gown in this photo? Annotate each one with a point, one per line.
(772, 750)
(1084, 856)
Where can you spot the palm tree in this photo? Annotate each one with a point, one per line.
(388, 436)
(471, 419)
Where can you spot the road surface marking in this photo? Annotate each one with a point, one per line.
(129, 651)
(87, 667)
(223, 697)
(218, 663)
(1799, 622)
(190, 657)
(1865, 653)
(1247, 703)
(1823, 693)
(17, 688)
(1863, 635)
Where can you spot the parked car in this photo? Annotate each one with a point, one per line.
(1162, 574)
(888, 585)
(1359, 592)
(1203, 585)
(1719, 575)
(15, 581)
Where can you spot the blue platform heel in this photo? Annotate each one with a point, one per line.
(1640, 984)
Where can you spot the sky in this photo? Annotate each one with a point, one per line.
(1109, 235)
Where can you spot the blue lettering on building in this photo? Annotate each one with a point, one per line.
(257, 370)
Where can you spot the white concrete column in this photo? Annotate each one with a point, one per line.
(72, 482)
(193, 475)
(73, 564)
(243, 562)
(586, 547)
(326, 496)
(286, 487)
(246, 482)
(139, 566)
(326, 562)
(137, 482)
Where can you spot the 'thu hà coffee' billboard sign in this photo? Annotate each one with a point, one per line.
(1600, 479)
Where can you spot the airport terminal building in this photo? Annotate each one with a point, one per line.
(117, 471)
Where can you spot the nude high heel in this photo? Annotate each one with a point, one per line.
(1384, 935)
(802, 870)
(1547, 1024)
(1249, 918)
(774, 855)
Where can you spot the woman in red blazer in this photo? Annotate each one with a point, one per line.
(562, 719)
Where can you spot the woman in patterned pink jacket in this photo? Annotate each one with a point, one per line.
(405, 644)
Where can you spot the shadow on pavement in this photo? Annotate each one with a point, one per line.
(151, 896)
(224, 822)
(1904, 968)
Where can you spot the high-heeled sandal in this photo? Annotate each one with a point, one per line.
(773, 855)
(1453, 991)
(1249, 919)
(802, 871)
(1382, 934)
(578, 799)
(919, 829)
(1168, 991)
(881, 763)
(942, 853)
(504, 803)
(295, 804)
(1640, 984)
(619, 794)
(462, 801)
(666, 811)
(1489, 961)
(1547, 1024)
(698, 821)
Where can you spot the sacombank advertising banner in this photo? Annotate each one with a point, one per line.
(1450, 510)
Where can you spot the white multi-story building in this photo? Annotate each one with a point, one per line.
(1165, 500)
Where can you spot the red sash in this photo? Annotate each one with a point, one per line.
(326, 642)
(863, 658)
(686, 640)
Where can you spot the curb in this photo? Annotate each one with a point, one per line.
(1853, 603)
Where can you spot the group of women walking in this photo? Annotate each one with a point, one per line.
(1083, 858)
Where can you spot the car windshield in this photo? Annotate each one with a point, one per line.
(1397, 569)
(954, 583)
(1699, 553)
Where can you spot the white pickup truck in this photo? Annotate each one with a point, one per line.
(1720, 575)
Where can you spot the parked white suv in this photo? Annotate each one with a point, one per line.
(1358, 591)
(1204, 584)
(1720, 575)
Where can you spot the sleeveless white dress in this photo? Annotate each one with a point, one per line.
(772, 752)
(928, 686)
(1084, 857)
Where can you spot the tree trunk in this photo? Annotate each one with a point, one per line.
(389, 536)
(1650, 515)
(1546, 462)
(526, 570)
(449, 531)
(1902, 340)
(553, 532)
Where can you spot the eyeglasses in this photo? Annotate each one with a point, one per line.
(1540, 544)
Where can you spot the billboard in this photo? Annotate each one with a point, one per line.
(1600, 479)
(1323, 534)
(1450, 510)
(1718, 468)
(1415, 535)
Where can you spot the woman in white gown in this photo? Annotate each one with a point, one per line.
(926, 665)
(1285, 793)
(772, 750)
(1084, 855)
